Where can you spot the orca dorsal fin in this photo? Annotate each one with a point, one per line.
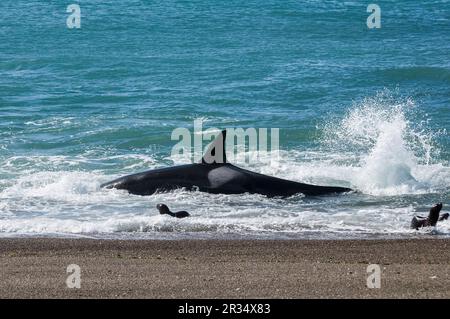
(216, 152)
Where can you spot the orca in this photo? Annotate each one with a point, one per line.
(215, 175)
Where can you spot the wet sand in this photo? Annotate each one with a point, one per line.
(36, 268)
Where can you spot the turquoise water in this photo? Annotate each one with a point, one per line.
(358, 107)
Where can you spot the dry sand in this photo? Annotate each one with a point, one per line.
(36, 268)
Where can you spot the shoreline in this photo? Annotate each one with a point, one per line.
(187, 269)
(175, 236)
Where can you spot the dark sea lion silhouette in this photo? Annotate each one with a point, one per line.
(163, 209)
(215, 175)
(432, 219)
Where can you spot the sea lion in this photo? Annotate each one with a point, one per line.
(432, 219)
(163, 209)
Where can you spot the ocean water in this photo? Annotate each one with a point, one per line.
(356, 107)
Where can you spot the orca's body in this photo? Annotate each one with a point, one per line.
(216, 178)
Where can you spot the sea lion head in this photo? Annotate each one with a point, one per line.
(433, 217)
(163, 209)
